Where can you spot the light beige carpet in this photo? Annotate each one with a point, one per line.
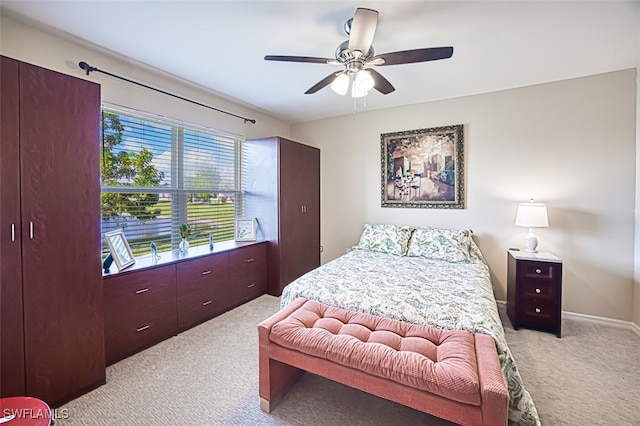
(209, 376)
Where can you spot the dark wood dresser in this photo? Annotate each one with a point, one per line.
(534, 291)
(156, 299)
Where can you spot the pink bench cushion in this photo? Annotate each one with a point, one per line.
(442, 362)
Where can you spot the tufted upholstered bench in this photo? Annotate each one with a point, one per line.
(452, 374)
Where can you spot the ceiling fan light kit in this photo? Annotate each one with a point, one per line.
(341, 84)
(357, 56)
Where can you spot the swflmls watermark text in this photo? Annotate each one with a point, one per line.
(36, 413)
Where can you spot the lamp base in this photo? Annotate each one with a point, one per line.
(531, 242)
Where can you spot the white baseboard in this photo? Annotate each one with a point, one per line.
(602, 320)
(595, 319)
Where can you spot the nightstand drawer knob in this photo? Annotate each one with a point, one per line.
(538, 271)
(537, 310)
(538, 290)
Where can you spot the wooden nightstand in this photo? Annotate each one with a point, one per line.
(534, 291)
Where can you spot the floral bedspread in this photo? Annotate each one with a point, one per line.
(422, 291)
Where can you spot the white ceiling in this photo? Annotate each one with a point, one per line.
(221, 44)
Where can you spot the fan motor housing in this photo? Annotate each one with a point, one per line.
(343, 54)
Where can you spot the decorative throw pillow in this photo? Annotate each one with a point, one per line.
(392, 239)
(441, 244)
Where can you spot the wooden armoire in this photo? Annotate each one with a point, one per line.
(283, 194)
(51, 311)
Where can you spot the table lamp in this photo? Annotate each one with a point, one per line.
(532, 215)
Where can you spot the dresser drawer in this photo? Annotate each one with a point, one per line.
(198, 306)
(248, 269)
(139, 310)
(254, 256)
(199, 284)
(202, 273)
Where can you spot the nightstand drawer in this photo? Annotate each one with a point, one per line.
(542, 270)
(539, 313)
(541, 289)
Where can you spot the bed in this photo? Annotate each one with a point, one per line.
(429, 276)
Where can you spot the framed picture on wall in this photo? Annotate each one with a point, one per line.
(119, 248)
(423, 168)
(246, 229)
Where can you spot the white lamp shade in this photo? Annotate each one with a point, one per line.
(340, 84)
(532, 215)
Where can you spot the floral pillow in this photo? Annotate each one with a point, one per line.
(442, 244)
(392, 239)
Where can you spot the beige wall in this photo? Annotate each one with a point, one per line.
(570, 144)
(26, 44)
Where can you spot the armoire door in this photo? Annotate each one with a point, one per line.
(299, 210)
(11, 334)
(60, 203)
(310, 227)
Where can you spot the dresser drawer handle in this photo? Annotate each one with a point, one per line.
(208, 302)
(251, 285)
(538, 290)
(143, 290)
(249, 260)
(538, 271)
(142, 328)
(206, 272)
(537, 310)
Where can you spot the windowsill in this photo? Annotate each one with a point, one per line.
(175, 256)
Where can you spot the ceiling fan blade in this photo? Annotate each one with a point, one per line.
(415, 55)
(323, 83)
(297, 59)
(381, 84)
(363, 28)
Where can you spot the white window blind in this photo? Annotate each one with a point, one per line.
(159, 173)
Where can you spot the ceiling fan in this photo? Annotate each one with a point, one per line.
(356, 55)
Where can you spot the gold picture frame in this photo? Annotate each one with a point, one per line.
(423, 168)
(119, 248)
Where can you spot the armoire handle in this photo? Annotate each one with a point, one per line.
(13, 232)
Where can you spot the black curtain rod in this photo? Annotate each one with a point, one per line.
(88, 68)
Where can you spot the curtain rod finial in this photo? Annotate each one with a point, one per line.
(85, 66)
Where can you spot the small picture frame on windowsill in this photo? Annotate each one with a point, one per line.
(246, 229)
(119, 247)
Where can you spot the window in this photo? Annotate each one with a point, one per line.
(158, 174)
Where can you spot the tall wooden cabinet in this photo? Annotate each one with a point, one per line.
(283, 194)
(52, 330)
